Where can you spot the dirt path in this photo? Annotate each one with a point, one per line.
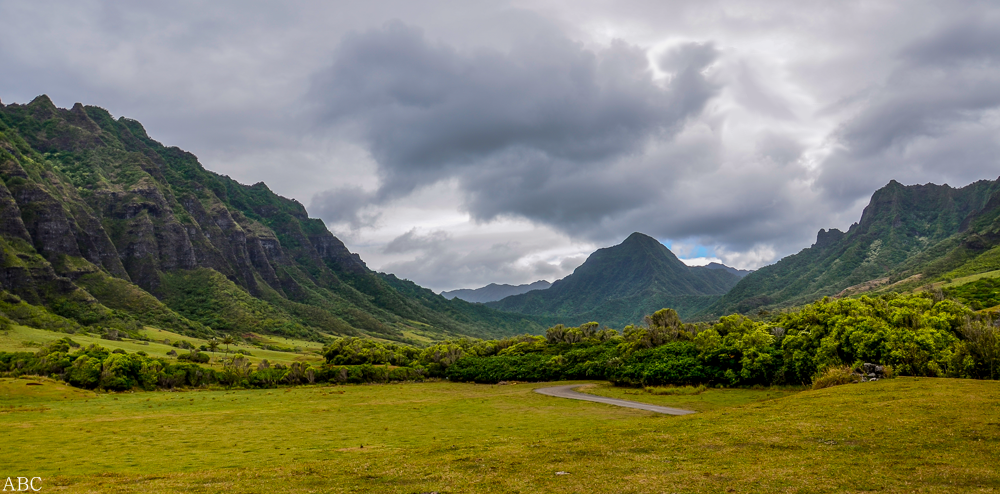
(567, 392)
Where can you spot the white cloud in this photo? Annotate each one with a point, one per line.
(700, 261)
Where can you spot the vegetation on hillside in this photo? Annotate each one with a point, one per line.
(913, 335)
(620, 285)
(980, 294)
(104, 226)
(916, 233)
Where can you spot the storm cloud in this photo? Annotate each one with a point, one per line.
(463, 143)
(523, 130)
(935, 117)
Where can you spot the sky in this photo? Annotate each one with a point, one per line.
(462, 143)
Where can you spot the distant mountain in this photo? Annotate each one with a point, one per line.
(907, 236)
(620, 285)
(102, 227)
(738, 272)
(493, 291)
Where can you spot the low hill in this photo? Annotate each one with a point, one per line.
(738, 272)
(907, 236)
(494, 292)
(103, 227)
(620, 285)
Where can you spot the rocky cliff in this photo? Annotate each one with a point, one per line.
(102, 225)
(915, 232)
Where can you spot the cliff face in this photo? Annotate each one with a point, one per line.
(89, 198)
(904, 231)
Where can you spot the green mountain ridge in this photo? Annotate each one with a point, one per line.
(105, 229)
(494, 292)
(102, 226)
(620, 285)
(907, 236)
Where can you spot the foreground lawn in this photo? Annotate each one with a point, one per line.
(901, 435)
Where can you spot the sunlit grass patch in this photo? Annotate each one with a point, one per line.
(32, 389)
(900, 435)
(25, 339)
(697, 398)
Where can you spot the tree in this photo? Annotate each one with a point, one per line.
(983, 339)
(235, 370)
(213, 345)
(228, 340)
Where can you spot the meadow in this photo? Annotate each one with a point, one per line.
(900, 435)
(24, 339)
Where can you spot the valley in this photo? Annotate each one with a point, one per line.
(500, 247)
(190, 332)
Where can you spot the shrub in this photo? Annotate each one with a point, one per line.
(835, 376)
(201, 358)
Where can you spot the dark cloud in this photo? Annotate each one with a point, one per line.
(740, 126)
(345, 205)
(526, 131)
(933, 119)
(412, 241)
(973, 39)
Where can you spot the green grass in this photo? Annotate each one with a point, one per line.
(710, 399)
(15, 339)
(969, 279)
(901, 435)
(987, 261)
(31, 390)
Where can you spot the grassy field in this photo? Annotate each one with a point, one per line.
(969, 279)
(902, 435)
(710, 399)
(25, 339)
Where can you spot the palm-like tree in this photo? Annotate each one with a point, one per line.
(228, 340)
(213, 344)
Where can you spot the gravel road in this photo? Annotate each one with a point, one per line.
(567, 392)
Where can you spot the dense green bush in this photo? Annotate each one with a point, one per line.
(917, 335)
(197, 357)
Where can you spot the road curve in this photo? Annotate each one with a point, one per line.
(566, 391)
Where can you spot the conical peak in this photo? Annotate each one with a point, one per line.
(637, 237)
(42, 100)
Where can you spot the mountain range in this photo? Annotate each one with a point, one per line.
(908, 236)
(102, 226)
(493, 291)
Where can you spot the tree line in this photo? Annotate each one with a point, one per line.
(914, 335)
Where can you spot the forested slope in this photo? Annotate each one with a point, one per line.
(620, 285)
(103, 226)
(907, 236)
